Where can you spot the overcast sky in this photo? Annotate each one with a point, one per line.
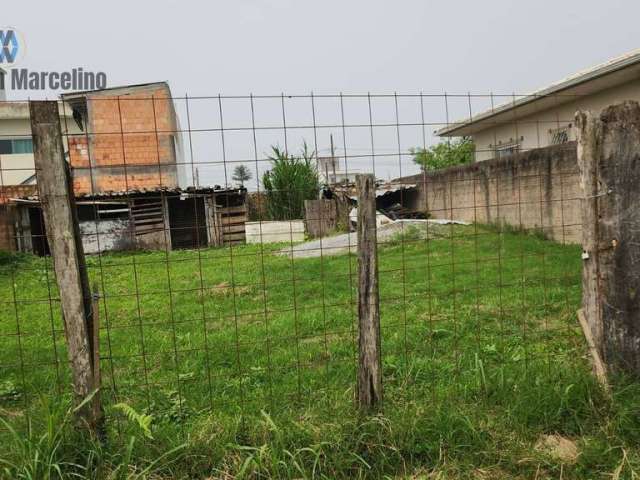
(238, 47)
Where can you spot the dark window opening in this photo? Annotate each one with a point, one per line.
(102, 211)
(79, 114)
(16, 146)
(506, 150)
(38, 232)
(559, 136)
(187, 222)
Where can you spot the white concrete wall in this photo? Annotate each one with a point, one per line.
(533, 131)
(16, 168)
(275, 231)
(105, 235)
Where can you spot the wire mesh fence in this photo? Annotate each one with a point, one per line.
(211, 297)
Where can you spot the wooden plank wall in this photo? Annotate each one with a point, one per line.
(233, 221)
(321, 217)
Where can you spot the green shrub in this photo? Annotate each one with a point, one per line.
(290, 182)
(444, 154)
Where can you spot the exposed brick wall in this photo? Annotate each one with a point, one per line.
(130, 142)
(16, 191)
(538, 189)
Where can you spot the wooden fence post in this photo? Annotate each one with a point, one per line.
(587, 154)
(60, 215)
(608, 152)
(369, 368)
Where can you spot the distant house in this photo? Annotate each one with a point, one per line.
(16, 146)
(331, 173)
(545, 117)
(117, 139)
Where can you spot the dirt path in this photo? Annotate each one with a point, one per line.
(340, 244)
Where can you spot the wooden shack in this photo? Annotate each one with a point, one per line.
(154, 219)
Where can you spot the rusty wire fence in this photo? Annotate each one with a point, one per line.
(213, 298)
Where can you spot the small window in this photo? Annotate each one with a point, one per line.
(88, 211)
(16, 146)
(114, 211)
(559, 136)
(507, 149)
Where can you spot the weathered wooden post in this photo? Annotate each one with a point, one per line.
(369, 368)
(60, 215)
(608, 157)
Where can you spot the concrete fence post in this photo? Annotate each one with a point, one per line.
(369, 361)
(609, 162)
(61, 222)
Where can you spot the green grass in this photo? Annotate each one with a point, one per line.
(237, 362)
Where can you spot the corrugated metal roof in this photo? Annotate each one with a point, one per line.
(382, 188)
(146, 191)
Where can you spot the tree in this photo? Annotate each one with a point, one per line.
(291, 181)
(241, 174)
(444, 154)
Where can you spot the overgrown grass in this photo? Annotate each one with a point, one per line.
(239, 363)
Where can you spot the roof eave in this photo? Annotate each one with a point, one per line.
(77, 95)
(455, 129)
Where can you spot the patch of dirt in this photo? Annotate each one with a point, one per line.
(14, 413)
(387, 234)
(558, 447)
(223, 289)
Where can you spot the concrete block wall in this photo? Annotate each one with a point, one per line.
(534, 190)
(129, 143)
(275, 231)
(106, 235)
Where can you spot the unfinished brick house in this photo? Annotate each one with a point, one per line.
(124, 148)
(130, 139)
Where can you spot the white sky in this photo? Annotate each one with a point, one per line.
(237, 47)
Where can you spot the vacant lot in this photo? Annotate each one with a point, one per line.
(481, 351)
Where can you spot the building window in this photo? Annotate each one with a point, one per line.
(16, 145)
(107, 210)
(507, 149)
(559, 136)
